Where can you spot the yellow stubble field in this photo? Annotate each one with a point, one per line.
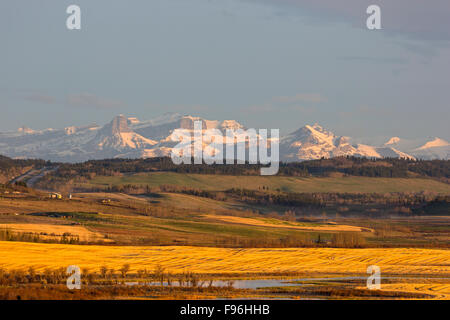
(274, 223)
(49, 231)
(210, 260)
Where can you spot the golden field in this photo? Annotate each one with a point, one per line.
(432, 287)
(275, 223)
(54, 231)
(209, 260)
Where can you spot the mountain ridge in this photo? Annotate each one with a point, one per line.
(128, 137)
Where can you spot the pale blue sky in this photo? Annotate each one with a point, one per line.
(266, 63)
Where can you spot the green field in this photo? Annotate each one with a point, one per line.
(286, 184)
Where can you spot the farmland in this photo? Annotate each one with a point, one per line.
(54, 230)
(179, 219)
(130, 220)
(191, 236)
(286, 184)
(414, 273)
(17, 255)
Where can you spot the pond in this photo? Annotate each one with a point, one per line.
(268, 283)
(252, 283)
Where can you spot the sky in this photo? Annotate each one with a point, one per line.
(266, 63)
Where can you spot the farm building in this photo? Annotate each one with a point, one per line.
(55, 195)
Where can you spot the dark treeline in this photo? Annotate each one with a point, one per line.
(8, 163)
(389, 167)
(278, 198)
(409, 203)
(10, 168)
(66, 238)
(401, 202)
(324, 167)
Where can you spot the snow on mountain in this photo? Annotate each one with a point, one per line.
(308, 142)
(314, 142)
(158, 121)
(185, 126)
(146, 153)
(405, 145)
(434, 149)
(131, 138)
(133, 121)
(25, 130)
(119, 137)
(435, 143)
(230, 124)
(393, 141)
(380, 152)
(73, 144)
(364, 150)
(122, 137)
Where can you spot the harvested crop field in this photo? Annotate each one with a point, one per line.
(206, 260)
(54, 230)
(440, 290)
(275, 223)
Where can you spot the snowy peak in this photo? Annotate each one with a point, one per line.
(133, 121)
(314, 142)
(341, 141)
(25, 130)
(230, 124)
(380, 152)
(119, 125)
(70, 130)
(317, 128)
(393, 141)
(118, 136)
(187, 122)
(435, 143)
(312, 135)
(311, 142)
(132, 138)
(434, 149)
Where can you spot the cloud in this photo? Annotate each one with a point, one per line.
(91, 100)
(301, 97)
(40, 98)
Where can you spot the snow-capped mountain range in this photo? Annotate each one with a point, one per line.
(130, 138)
(314, 142)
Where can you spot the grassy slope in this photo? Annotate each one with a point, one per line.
(288, 184)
